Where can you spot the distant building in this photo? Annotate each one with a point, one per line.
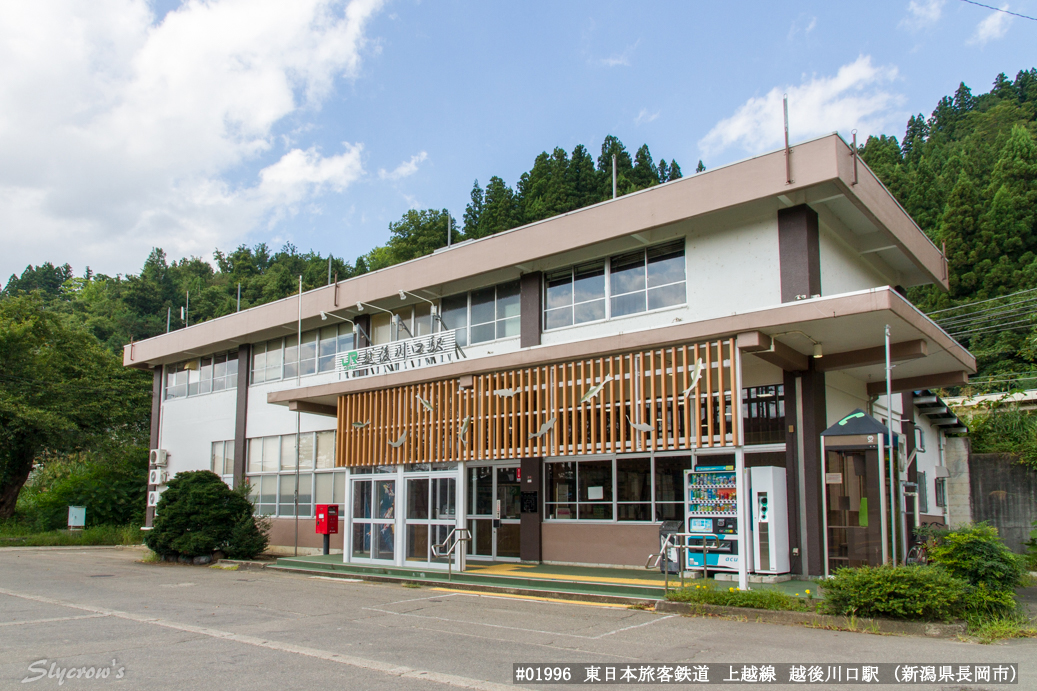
(562, 388)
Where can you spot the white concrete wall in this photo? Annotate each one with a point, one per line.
(927, 461)
(843, 394)
(190, 425)
(842, 269)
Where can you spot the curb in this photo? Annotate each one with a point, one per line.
(66, 547)
(820, 621)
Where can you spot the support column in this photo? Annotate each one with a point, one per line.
(792, 471)
(530, 302)
(815, 421)
(156, 418)
(241, 415)
(532, 508)
(799, 253)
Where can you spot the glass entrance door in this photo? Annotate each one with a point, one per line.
(488, 487)
(374, 519)
(431, 515)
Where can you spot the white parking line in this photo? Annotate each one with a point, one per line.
(47, 621)
(360, 663)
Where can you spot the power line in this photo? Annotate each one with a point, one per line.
(998, 9)
(996, 327)
(973, 304)
(1015, 306)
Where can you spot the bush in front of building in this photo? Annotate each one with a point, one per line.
(199, 514)
(976, 553)
(929, 593)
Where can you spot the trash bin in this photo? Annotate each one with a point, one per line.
(669, 562)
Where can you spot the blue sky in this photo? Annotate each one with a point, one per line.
(198, 125)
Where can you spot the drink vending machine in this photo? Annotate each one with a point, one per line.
(711, 509)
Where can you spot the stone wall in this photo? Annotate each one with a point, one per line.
(1004, 493)
(959, 488)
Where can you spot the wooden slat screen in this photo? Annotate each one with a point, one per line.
(537, 411)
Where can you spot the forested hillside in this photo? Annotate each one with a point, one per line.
(968, 176)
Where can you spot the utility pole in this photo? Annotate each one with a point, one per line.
(613, 176)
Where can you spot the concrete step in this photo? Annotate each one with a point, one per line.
(524, 585)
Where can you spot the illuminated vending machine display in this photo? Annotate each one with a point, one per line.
(711, 508)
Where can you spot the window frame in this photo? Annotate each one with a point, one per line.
(498, 319)
(185, 379)
(255, 477)
(608, 295)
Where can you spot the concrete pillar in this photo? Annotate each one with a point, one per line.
(959, 486)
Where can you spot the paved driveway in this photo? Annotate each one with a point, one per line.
(184, 627)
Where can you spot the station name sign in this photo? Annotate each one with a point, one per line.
(421, 351)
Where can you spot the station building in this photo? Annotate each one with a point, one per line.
(554, 388)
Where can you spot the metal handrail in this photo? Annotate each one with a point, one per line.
(459, 535)
(682, 550)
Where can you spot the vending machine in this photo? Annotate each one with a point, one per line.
(770, 520)
(711, 509)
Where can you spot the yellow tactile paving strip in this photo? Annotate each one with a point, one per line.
(521, 570)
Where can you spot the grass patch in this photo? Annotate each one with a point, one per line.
(151, 558)
(762, 598)
(16, 535)
(411, 585)
(987, 631)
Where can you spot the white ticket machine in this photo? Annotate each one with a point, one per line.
(770, 520)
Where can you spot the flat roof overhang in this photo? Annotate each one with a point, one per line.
(857, 206)
(851, 325)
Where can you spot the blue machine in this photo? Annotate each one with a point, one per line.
(711, 510)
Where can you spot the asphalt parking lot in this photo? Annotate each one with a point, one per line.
(185, 627)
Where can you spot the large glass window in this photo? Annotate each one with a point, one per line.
(202, 375)
(484, 315)
(625, 284)
(275, 461)
(626, 488)
(222, 459)
(284, 358)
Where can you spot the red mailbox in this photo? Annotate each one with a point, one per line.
(327, 519)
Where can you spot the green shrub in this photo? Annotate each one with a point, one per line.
(976, 554)
(762, 598)
(1031, 550)
(898, 592)
(199, 514)
(112, 488)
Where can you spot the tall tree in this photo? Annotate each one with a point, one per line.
(473, 212)
(60, 391)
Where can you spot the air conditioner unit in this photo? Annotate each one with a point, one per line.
(153, 496)
(159, 457)
(157, 476)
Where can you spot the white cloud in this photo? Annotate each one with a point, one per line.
(856, 97)
(405, 169)
(645, 117)
(811, 24)
(922, 13)
(620, 59)
(994, 26)
(120, 133)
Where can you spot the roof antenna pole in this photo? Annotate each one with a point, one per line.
(855, 157)
(239, 298)
(614, 175)
(169, 315)
(449, 229)
(329, 269)
(788, 151)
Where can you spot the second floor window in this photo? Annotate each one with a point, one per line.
(202, 375)
(641, 281)
(483, 315)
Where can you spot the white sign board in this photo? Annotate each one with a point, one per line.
(422, 351)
